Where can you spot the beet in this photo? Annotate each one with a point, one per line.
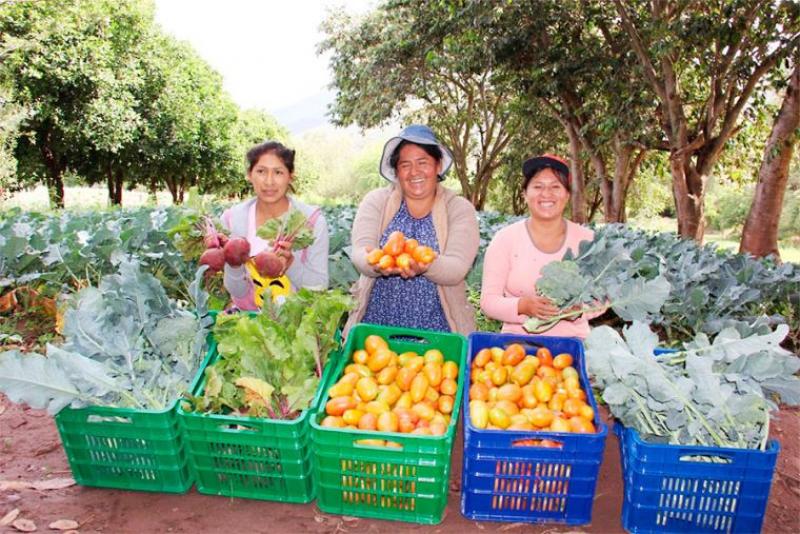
(212, 241)
(214, 258)
(237, 251)
(269, 264)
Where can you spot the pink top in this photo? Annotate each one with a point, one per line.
(512, 265)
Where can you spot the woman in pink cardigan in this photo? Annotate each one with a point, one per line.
(515, 257)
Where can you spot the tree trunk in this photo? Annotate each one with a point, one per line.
(55, 174)
(577, 182)
(760, 233)
(172, 186)
(625, 169)
(118, 187)
(153, 190)
(181, 189)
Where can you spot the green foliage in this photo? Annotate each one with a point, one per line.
(605, 272)
(271, 362)
(126, 344)
(728, 209)
(292, 226)
(709, 393)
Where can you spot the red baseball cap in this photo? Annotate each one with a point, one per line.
(546, 161)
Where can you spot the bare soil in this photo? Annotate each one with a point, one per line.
(30, 450)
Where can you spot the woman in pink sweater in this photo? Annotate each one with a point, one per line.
(515, 257)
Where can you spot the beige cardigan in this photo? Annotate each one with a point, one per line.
(456, 226)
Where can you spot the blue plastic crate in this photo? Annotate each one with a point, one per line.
(673, 488)
(502, 481)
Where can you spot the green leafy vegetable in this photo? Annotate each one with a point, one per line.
(270, 363)
(126, 345)
(292, 227)
(716, 393)
(603, 274)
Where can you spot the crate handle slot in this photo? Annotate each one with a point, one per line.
(707, 458)
(93, 418)
(377, 444)
(409, 338)
(544, 443)
(236, 427)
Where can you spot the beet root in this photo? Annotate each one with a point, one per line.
(237, 251)
(214, 258)
(269, 264)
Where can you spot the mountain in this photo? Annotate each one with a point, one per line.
(307, 114)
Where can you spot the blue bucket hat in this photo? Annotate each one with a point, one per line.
(420, 135)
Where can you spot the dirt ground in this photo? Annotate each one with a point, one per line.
(30, 451)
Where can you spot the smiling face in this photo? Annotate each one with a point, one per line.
(417, 172)
(270, 178)
(546, 196)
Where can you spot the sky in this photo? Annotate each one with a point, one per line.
(264, 49)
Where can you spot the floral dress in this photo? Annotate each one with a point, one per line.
(412, 302)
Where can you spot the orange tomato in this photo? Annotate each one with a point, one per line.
(557, 402)
(499, 418)
(368, 421)
(567, 372)
(543, 391)
(386, 262)
(572, 407)
(450, 370)
(562, 361)
(404, 378)
(394, 245)
(404, 401)
(499, 376)
(388, 422)
(431, 394)
(580, 425)
(523, 373)
(387, 375)
(478, 391)
(560, 424)
(445, 404)
(390, 394)
(478, 413)
(338, 405)
(545, 356)
(377, 407)
(448, 387)
(352, 416)
(410, 245)
(360, 356)
(507, 406)
(379, 359)
(367, 389)
(403, 261)
(374, 256)
(424, 410)
(332, 422)
(541, 416)
(482, 358)
(416, 363)
(359, 369)
(546, 370)
(341, 389)
(511, 392)
(513, 354)
(419, 386)
(434, 373)
(438, 428)
(434, 356)
(587, 412)
(373, 342)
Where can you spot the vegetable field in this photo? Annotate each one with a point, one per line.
(117, 304)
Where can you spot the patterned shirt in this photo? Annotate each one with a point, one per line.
(412, 302)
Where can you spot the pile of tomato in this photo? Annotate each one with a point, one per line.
(512, 390)
(389, 392)
(399, 251)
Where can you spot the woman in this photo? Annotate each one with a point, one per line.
(271, 173)
(517, 253)
(429, 297)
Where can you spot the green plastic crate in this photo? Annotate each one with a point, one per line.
(252, 457)
(125, 448)
(409, 483)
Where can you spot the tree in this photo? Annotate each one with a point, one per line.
(386, 68)
(760, 234)
(73, 66)
(705, 62)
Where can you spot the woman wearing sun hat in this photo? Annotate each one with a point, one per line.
(517, 253)
(432, 296)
